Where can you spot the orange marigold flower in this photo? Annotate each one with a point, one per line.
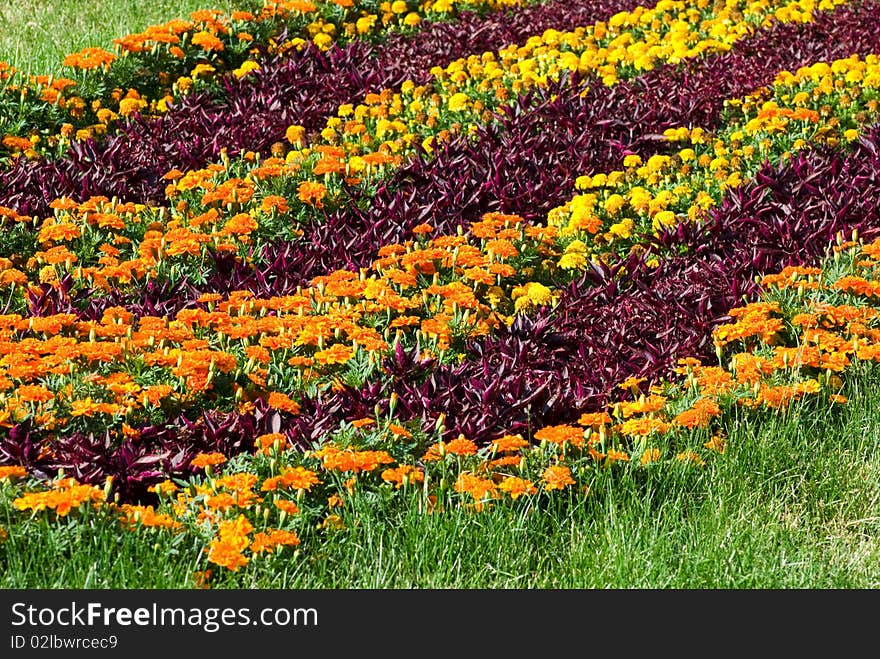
(716, 443)
(508, 443)
(366, 421)
(271, 440)
(435, 452)
(283, 402)
(478, 488)
(461, 446)
(67, 495)
(650, 455)
(506, 461)
(402, 475)
(312, 193)
(207, 41)
(557, 477)
(561, 434)
(286, 506)
(34, 393)
(203, 460)
(594, 419)
(398, 431)
(166, 487)
(614, 455)
(297, 478)
(272, 539)
(517, 487)
(642, 405)
(226, 554)
(642, 427)
(12, 472)
(699, 415)
(147, 516)
(348, 460)
(335, 354)
(89, 58)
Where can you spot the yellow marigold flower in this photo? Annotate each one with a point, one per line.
(323, 40)
(398, 6)
(632, 160)
(295, 134)
(458, 101)
(200, 70)
(613, 204)
(557, 477)
(535, 292)
(622, 229)
(573, 261)
(663, 219)
(365, 23)
(245, 68)
(517, 487)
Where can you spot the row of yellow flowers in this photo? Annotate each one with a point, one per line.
(365, 142)
(826, 103)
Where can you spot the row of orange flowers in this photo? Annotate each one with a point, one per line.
(796, 343)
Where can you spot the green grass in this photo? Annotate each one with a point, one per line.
(35, 35)
(793, 503)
